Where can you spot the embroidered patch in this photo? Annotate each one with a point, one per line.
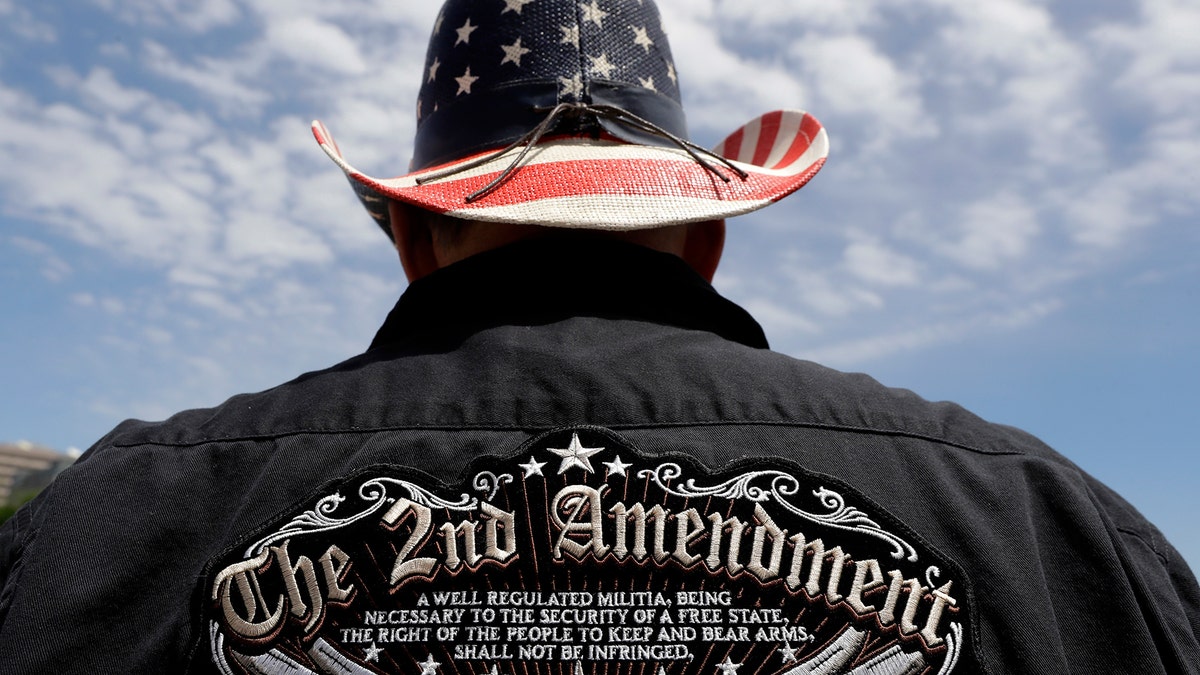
(582, 555)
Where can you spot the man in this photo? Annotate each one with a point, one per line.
(564, 452)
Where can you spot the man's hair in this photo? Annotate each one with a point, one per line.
(446, 231)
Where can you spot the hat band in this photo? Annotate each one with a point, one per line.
(498, 117)
(579, 115)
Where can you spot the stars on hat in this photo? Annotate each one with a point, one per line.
(482, 44)
(570, 36)
(601, 66)
(641, 37)
(593, 13)
(372, 652)
(464, 33)
(465, 82)
(513, 53)
(571, 86)
(514, 5)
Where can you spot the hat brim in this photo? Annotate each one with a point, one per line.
(607, 184)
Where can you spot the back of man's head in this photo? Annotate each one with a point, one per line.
(556, 118)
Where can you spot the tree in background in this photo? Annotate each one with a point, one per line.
(15, 502)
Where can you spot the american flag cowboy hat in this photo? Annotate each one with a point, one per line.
(567, 113)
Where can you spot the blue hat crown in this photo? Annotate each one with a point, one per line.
(495, 67)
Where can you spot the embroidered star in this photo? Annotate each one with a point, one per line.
(788, 653)
(570, 36)
(726, 667)
(515, 5)
(593, 13)
(575, 455)
(533, 468)
(437, 26)
(616, 467)
(671, 72)
(495, 670)
(578, 668)
(661, 670)
(647, 82)
(429, 666)
(641, 37)
(465, 82)
(572, 86)
(372, 653)
(464, 33)
(601, 66)
(433, 68)
(513, 53)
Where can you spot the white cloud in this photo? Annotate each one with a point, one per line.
(863, 350)
(308, 41)
(219, 79)
(157, 336)
(101, 88)
(22, 23)
(1160, 55)
(217, 303)
(809, 283)
(766, 15)
(148, 181)
(1154, 72)
(992, 232)
(777, 318)
(195, 15)
(53, 268)
(722, 87)
(1019, 33)
(265, 240)
(852, 78)
(115, 50)
(873, 261)
(1026, 76)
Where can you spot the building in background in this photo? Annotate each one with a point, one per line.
(26, 468)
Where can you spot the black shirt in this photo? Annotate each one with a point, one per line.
(511, 417)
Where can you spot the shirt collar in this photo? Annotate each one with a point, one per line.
(546, 280)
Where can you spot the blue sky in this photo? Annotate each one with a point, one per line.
(1007, 220)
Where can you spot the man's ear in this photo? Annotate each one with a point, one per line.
(413, 240)
(703, 247)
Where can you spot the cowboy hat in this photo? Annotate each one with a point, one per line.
(567, 114)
